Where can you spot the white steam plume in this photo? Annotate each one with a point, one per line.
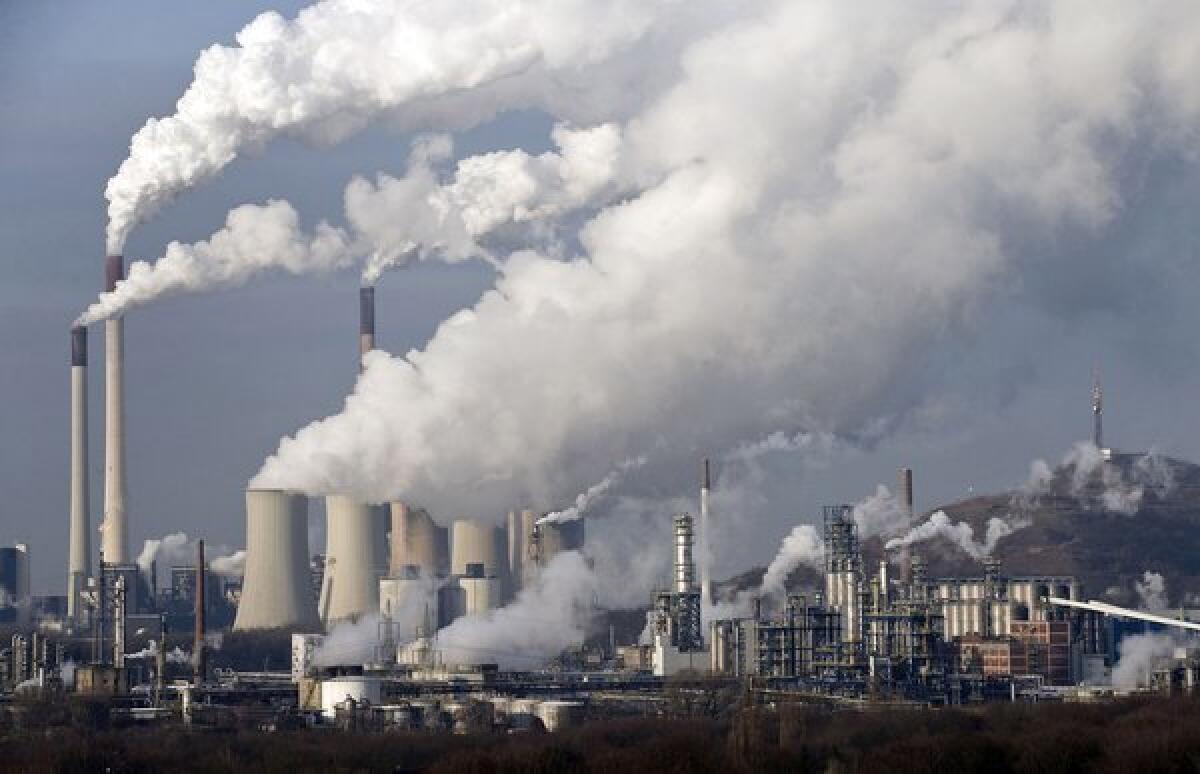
(546, 618)
(802, 547)
(1141, 654)
(585, 498)
(256, 238)
(799, 236)
(392, 220)
(961, 534)
(179, 550)
(343, 63)
(232, 565)
(1100, 483)
(1151, 591)
(881, 513)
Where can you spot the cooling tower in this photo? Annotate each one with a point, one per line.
(115, 529)
(277, 587)
(351, 585)
(475, 542)
(79, 563)
(555, 537)
(366, 320)
(417, 542)
(520, 545)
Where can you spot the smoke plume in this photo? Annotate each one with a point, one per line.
(340, 64)
(1151, 591)
(546, 618)
(179, 550)
(1141, 654)
(584, 499)
(786, 252)
(961, 534)
(1085, 474)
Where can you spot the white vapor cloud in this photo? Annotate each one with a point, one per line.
(794, 239)
(961, 534)
(341, 64)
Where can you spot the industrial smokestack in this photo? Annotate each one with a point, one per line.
(199, 654)
(79, 564)
(277, 586)
(705, 554)
(366, 320)
(115, 537)
(906, 490)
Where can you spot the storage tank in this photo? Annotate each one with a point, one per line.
(520, 545)
(555, 537)
(276, 588)
(362, 690)
(557, 714)
(350, 587)
(417, 541)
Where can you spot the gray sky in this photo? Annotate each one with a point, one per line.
(215, 380)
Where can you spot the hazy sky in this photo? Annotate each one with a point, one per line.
(215, 380)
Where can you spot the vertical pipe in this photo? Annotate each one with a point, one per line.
(705, 552)
(115, 526)
(79, 562)
(199, 655)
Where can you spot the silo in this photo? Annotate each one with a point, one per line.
(417, 542)
(476, 542)
(351, 584)
(520, 545)
(276, 587)
(555, 537)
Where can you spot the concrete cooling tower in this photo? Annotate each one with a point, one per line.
(476, 542)
(520, 545)
(351, 584)
(417, 543)
(276, 588)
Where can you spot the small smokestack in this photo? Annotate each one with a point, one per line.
(79, 561)
(199, 656)
(366, 320)
(115, 538)
(906, 490)
(705, 555)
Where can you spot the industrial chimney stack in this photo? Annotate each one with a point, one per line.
(366, 321)
(199, 654)
(80, 557)
(115, 538)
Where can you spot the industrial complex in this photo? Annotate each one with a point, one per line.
(875, 628)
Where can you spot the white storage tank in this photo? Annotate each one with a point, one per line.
(339, 691)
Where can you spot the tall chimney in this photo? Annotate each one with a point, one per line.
(906, 490)
(366, 321)
(80, 557)
(705, 550)
(115, 536)
(199, 656)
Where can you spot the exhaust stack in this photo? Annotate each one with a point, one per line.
(80, 558)
(366, 321)
(115, 537)
(199, 654)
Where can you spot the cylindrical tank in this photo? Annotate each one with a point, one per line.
(475, 542)
(520, 545)
(115, 539)
(555, 537)
(350, 587)
(417, 542)
(276, 588)
(79, 563)
(558, 714)
(480, 594)
(362, 690)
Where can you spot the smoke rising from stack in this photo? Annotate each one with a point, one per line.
(327, 73)
(594, 492)
(392, 221)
